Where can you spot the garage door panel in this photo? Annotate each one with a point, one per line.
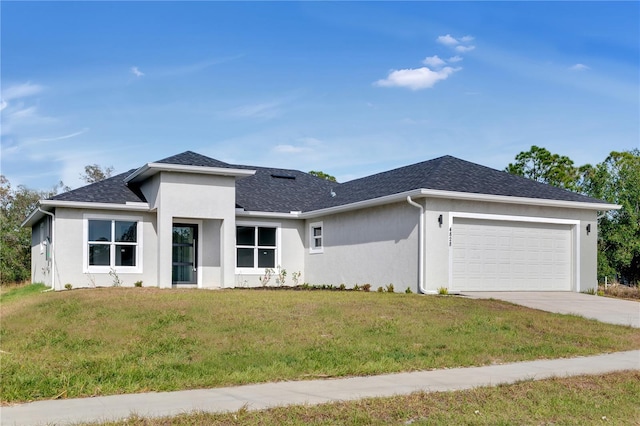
(505, 256)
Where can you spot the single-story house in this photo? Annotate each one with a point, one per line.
(193, 221)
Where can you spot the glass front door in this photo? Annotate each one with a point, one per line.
(185, 254)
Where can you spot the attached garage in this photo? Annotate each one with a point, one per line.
(511, 254)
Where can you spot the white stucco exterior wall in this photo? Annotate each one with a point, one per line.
(70, 249)
(41, 264)
(184, 196)
(377, 246)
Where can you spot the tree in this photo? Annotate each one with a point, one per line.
(15, 241)
(323, 175)
(542, 166)
(617, 181)
(95, 173)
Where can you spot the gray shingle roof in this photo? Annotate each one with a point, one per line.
(283, 190)
(190, 158)
(448, 174)
(111, 190)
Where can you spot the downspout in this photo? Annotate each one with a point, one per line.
(421, 243)
(53, 239)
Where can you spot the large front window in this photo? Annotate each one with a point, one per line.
(112, 243)
(256, 246)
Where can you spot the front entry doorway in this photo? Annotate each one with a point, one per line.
(185, 254)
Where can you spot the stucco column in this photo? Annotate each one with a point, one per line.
(165, 249)
(227, 252)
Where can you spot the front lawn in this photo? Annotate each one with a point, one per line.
(124, 340)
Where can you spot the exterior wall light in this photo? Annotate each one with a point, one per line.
(588, 228)
(440, 220)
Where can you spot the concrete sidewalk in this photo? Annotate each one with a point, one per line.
(254, 397)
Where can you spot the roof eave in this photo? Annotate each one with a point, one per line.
(434, 193)
(151, 169)
(506, 199)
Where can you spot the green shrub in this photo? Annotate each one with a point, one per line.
(366, 287)
(138, 283)
(408, 291)
(390, 288)
(443, 291)
(68, 286)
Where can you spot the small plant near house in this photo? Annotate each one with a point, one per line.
(342, 287)
(591, 291)
(282, 275)
(138, 283)
(264, 280)
(408, 291)
(366, 287)
(443, 291)
(68, 286)
(390, 288)
(305, 286)
(380, 289)
(295, 277)
(117, 282)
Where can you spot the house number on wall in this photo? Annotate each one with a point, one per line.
(450, 236)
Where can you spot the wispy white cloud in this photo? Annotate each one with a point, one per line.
(461, 45)
(433, 61)
(447, 40)
(135, 71)
(416, 78)
(579, 67)
(300, 145)
(464, 49)
(436, 69)
(18, 91)
(63, 137)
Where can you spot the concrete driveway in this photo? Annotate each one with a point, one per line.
(604, 309)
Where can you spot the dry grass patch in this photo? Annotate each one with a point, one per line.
(125, 340)
(582, 400)
(620, 291)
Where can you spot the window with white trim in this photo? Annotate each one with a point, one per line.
(256, 246)
(112, 243)
(316, 238)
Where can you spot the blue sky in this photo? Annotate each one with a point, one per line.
(348, 88)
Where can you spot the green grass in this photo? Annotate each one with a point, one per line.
(119, 340)
(12, 293)
(583, 400)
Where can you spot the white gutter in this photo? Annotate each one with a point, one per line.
(421, 245)
(53, 252)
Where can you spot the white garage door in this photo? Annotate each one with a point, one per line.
(491, 255)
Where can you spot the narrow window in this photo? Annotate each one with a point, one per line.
(316, 238)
